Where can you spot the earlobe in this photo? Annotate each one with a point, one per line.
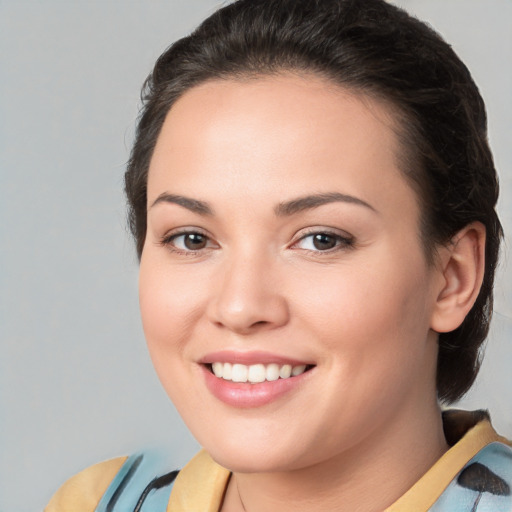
(462, 265)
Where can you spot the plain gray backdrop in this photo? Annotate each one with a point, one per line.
(76, 382)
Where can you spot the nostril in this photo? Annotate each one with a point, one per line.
(260, 322)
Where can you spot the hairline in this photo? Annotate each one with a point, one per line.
(402, 123)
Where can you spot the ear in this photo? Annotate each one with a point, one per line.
(461, 265)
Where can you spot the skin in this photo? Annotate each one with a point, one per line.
(364, 423)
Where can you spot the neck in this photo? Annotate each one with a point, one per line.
(368, 477)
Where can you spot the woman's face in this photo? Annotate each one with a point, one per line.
(282, 236)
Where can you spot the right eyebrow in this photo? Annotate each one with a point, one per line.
(314, 201)
(194, 205)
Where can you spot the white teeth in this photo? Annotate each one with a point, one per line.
(217, 369)
(256, 373)
(297, 370)
(272, 372)
(239, 374)
(285, 371)
(227, 371)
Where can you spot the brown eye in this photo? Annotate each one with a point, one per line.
(194, 241)
(187, 242)
(324, 241)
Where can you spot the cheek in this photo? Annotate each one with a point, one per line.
(170, 307)
(170, 303)
(379, 307)
(372, 330)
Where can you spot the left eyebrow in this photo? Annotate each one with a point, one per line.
(314, 201)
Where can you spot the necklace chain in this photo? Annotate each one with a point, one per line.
(240, 497)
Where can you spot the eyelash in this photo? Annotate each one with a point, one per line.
(341, 242)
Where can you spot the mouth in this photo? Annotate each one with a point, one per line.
(256, 373)
(254, 378)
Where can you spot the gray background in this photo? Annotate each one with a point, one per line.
(76, 384)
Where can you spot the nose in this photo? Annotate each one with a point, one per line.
(247, 298)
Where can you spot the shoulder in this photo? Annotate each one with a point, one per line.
(141, 481)
(486, 480)
(84, 490)
(200, 485)
(477, 468)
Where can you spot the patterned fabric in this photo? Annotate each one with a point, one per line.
(137, 488)
(483, 485)
(474, 475)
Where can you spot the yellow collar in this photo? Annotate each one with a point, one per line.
(201, 484)
(469, 431)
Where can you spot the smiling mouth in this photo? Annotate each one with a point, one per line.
(256, 373)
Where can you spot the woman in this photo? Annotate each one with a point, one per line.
(312, 197)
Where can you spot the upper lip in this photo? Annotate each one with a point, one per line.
(250, 357)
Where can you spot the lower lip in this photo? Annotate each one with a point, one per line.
(246, 395)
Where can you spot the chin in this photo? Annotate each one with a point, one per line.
(249, 454)
(252, 461)
(249, 442)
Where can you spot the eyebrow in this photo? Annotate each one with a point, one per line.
(314, 201)
(194, 205)
(283, 209)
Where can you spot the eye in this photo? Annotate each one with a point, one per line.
(323, 241)
(190, 241)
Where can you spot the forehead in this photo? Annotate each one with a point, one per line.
(276, 135)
